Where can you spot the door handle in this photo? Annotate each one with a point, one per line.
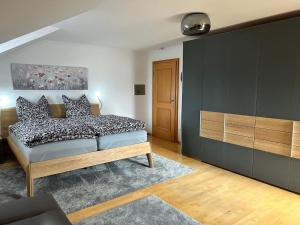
(172, 100)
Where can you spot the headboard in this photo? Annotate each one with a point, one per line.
(9, 115)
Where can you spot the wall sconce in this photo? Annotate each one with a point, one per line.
(3, 101)
(99, 96)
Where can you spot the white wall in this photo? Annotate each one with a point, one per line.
(141, 78)
(111, 72)
(156, 55)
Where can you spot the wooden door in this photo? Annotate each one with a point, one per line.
(165, 99)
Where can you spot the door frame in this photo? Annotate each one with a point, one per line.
(176, 93)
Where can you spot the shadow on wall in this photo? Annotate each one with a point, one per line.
(140, 77)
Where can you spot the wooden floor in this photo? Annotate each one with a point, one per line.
(212, 195)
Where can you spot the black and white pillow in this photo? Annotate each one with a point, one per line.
(27, 110)
(75, 108)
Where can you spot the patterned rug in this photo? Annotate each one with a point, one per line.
(86, 187)
(147, 211)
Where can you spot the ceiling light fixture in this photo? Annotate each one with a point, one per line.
(195, 24)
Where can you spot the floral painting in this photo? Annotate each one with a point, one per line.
(47, 77)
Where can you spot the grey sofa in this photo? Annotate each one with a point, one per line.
(39, 210)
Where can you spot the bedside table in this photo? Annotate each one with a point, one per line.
(2, 151)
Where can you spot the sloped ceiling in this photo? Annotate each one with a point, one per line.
(129, 24)
(140, 24)
(19, 17)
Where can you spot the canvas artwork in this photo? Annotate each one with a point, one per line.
(48, 77)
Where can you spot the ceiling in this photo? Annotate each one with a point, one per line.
(140, 24)
(19, 17)
(129, 24)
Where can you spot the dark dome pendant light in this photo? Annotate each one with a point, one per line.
(193, 24)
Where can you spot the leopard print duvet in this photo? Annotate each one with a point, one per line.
(41, 131)
(112, 124)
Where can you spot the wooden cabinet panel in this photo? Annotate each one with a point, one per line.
(276, 136)
(212, 134)
(248, 121)
(272, 147)
(239, 140)
(296, 127)
(296, 140)
(273, 135)
(212, 116)
(212, 125)
(274, 124)
(295, 152)
(239, 130)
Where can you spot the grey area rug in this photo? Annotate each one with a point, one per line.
(86, 187)
(147, 211)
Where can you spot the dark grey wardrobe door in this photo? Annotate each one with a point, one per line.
(238, 159)
(241, 72)
(271, 168)
(294, 179)
(214, 72)
(212, 152)
(278, 69)
(193, 55)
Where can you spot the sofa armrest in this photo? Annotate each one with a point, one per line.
(26, 208)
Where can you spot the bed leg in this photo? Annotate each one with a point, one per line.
(29, 183)
(150, 160)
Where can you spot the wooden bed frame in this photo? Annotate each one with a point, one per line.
(69, 163)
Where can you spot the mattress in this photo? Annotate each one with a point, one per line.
(123, 139)
(56, 150)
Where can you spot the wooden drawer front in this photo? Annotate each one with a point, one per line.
(239, 130)
(296, 140)
(212, 125)
(239, 140)
(212, 116)
(273, 135)
(212, 134)
(248, 121)
(266, 134)
(274, 124)
(273, 147)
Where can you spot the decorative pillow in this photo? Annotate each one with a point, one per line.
(80, 107)
(27, 110)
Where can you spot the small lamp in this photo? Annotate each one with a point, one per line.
(3, 101)
(99, 95)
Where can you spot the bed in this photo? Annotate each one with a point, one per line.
(58, 157)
